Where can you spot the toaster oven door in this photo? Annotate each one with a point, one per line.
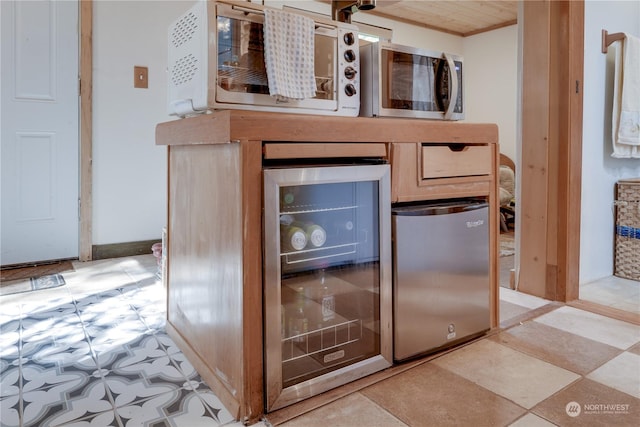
(241, 72)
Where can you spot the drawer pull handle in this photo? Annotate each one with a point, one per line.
(457, 147)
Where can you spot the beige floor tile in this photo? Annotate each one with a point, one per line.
(35, 300)
(10, 287)
(520, 298)
(96, 276)
(532, 420)
(428, 395)
(621, 373)
(590, 397)
(613, 332)
(563, 349)
(635, 349)
(523, 379)
(612, 291)
(354, 410)
(631, 305)
(509, 310)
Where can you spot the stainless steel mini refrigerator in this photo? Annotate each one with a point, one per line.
(441, 275)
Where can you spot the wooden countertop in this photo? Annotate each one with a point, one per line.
(224, 126)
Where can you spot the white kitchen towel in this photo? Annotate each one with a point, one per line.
(289, 54)
(626, 99)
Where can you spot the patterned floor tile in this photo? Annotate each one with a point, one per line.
(213, 404)
(120, 336)
(103, 419)
(65, 330)
(127, 390)
(10, 410)
(166, 342)
(147, 289)
(64, 403)
(127, 349)
(11, 309)
(153, 318)
(10, 380)
(37, 377)
(185, 366)
(181, 407)
(59, 354)
(35, 303)
(106, 312)
(129, 382)
(9, 348)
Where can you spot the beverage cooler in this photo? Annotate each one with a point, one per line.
(327, 258)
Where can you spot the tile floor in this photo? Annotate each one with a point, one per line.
(612, 291)
(94, 353)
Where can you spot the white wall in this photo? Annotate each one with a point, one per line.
(129, 182)
(600, 171)
(129, 170)
(491, 82)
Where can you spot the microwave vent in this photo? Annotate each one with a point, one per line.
(184, 70)
(184, 29)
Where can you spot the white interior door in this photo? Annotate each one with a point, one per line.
(39, 123)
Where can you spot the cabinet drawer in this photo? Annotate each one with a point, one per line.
(441, 161)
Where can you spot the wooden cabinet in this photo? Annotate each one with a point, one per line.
(214, 228)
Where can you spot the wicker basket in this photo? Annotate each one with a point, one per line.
(627, 251)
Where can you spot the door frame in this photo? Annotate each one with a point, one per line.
(551, 149)
(549, 215)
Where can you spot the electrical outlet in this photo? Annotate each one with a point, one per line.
(140, 77)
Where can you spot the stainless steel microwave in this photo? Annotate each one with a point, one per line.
(404, 81)
(216, 61)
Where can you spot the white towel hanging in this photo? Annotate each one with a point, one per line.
(626, 99)
(289, 54)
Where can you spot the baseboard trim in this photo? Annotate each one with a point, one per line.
(118, 250)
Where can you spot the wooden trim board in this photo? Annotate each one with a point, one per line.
(86, 130)
(117, 250)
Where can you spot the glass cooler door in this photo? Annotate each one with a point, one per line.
(327, 278)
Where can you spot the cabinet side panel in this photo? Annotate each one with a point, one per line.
(205, 257)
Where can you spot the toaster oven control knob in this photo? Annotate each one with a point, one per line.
(350, 89)
(350, 73)
(349, 55)
(349, 39)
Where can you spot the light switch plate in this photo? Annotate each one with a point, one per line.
(140, 77)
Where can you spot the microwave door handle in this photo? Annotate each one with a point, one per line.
(453, 79)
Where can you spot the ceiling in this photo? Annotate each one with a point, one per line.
(459, 17)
